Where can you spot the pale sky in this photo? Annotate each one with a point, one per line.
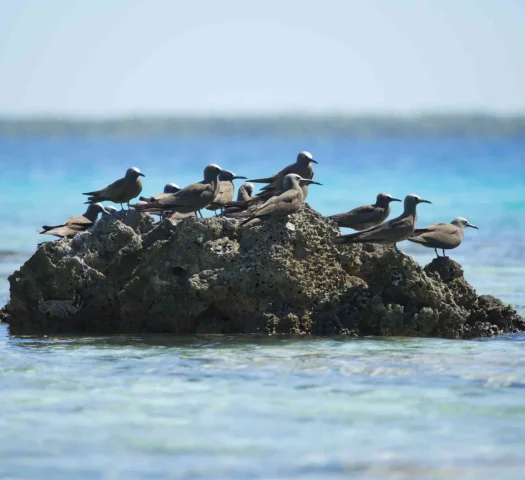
(114, 57)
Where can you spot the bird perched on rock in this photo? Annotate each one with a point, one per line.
(226, 191)
(391, 232)
(74, 225)
(366, 216)
(121, 191)
(244, 194)
(302, 167)
(284, 204)
(192, 198)
(444, 236)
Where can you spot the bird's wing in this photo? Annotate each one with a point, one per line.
(362, 214)
(65, 230)
(264, 180)
(431, 228)
(285, 204)
(112, 190)
(386, 230)
(188, 195)
(78, 220)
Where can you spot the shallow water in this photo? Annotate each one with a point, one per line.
(273, 408)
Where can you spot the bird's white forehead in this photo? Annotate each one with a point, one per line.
(306, 154)
(213, 165)
(173, 185)
(413, 195)
(461, 219)
(135, 169)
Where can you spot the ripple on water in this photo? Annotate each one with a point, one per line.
(256, 407)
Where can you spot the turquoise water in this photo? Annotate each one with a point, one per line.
(272, 408)
(482, 180)
(268, 408)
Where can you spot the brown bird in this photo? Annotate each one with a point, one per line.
(284, 204)
(444, 236)
(74, 225)
(226, 191)
(192, 198)
(302, 167)
(121, 191)
(244, 195)
(366, 216)
(391, 232)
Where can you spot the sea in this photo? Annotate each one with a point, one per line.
(219, 407)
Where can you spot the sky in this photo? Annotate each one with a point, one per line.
(123, 57)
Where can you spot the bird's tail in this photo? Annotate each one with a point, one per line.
(415, 239)
(350, 238)
(46, 228)
(151, 207)
(262, 180)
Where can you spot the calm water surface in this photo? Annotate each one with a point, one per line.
(239, 408)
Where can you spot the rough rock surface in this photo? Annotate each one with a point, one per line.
(213, 276)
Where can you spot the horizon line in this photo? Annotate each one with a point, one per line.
(262, 115)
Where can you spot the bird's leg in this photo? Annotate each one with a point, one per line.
(396, 249)
(437, 254)
(444, 254)
(128, 206)
(121, 207)
(196, 214)
(200, 213)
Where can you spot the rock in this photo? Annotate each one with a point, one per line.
(211, 275)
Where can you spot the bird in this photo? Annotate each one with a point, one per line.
(244, 194)
(281, 205)
(302, 167)
(109, 209)
(120, 191)
(192, 198)
(444, 236)
(76, 224)
(366, 216)
(391, 232)
(226, 191)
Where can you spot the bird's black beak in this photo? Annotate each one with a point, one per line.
(237, 177)
(472, 226)
(141, 175)
(310, 182)
(395, 200)
(314, 161)
(424, 201)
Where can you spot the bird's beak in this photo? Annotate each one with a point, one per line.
(314, 161)
(395, 200)
(236, 177)
(309, 182)
(473, 226)
(141, 175)
(424, 201)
